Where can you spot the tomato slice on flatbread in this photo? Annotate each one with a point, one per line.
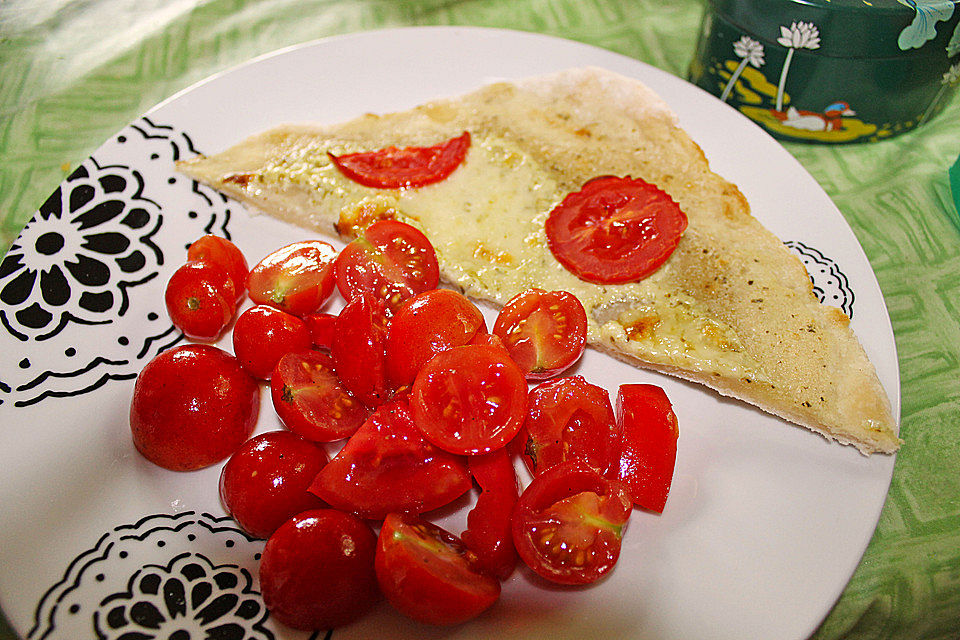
(406, 168)
(615, 230)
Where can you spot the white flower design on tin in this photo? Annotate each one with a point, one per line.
(751, 52)
(800, 35)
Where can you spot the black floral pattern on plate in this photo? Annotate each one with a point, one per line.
(81, 289)
(87, 245)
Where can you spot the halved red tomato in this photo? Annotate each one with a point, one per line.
(427, 573)
(359, 348)
(322, 327)
(569, 418)
(391, 261)
(489, 533)
(470, 399)
(297, 278)
(650, 434)
(311, 401)
(544, 331)
(569, 523)
(425, 325)
(615, 230)
(387, 466)
(406, 168)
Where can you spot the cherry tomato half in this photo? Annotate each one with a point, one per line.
(222, 252)
(388, 466)
(615, 230)
(425, 325)
(410, 167)
(569, 418)
(489, 533)
(391, 261)
(265, 481)
(650, 434)
(297, 278)
(427, 573)
(569, 523)
(310, 400)
(192, 406)
(317, 570)
(359, 349)
(200, 300)
(544, 331)
(263, 334)
(470, 399)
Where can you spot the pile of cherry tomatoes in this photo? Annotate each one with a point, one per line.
(425, 405)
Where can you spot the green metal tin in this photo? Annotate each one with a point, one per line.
(831, 71)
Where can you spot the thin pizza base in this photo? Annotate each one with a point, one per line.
(732, 308)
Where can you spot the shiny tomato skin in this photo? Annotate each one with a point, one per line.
(322, 327)
(297, 278)
(615, 230)
(265, 481)
(359, 350)
(391, 261)
(570, 418)
(425, 325)
(649, 448)
(388, 466)
(222, 252)
(427, 573)
(569, 523)
(469, 400)
(544, 331)
(201, 300)
(263, 334)
(489, 523)
(406, 168)
(193, 406)
(317, 570)
(310, 400)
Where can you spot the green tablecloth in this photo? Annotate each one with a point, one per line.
(73, 73)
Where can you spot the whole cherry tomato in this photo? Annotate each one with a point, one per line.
(569, 418)
(544, 331)
(222, 252)
(201, 300)
(425, 325)
(193, 405)
(428, 574)
(406, 168)
(317, 570)
(297, 278)
(650, 434)
(391, 261)
(470, 399)
(264, 334)
(615, 230)
(569, 523)
(311, 401)
(388, 466)
(265, 481)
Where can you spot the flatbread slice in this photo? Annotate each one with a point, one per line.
(732, 308)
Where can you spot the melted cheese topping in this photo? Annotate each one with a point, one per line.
(489, 246)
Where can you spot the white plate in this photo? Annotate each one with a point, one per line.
(765, 524)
